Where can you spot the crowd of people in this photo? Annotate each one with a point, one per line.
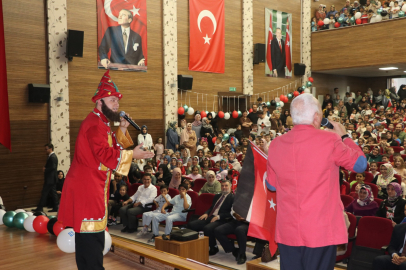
(372, 11)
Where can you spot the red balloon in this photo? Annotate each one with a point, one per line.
(58, 227)
(286, 99)
(337, 24)
(250, 110)
(310, 79)
(358, 21)
(296, 93)
(320, 23)
(203, 114)
(282, 97)
(214, 139)
(221, 114)
(235, 114)
(181, 111)
(40, 224)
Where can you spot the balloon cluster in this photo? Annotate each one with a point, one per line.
(40, 223)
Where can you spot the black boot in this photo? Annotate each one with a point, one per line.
(213, 251)
(241, 259)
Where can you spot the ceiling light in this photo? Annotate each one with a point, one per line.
(388, 68)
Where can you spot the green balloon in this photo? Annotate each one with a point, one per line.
(239, 113)
(303, 87)
(18, 220)
(290, 96)
(308, 84)
(378, 11)
(340, 20)
(8, 218)
(352, 20)
(186, 108)
(226, 137)
(277, 104)
(51, 217)
(401, 14)
(268, 104)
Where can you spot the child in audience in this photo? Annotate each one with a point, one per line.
(179, 164)
(204, 172)
(217, 165)
(364, 17)
(389, 151)
(404, 147)
(387, 9)
(120, 196)
(148, 169)
(354, 136)
(395, 136)
(365, 149)
(314, 24)
(206, 164)
(195, 173)
(218, 145)
(159, 202)
(332, 22)
(189, 184)
(359, 179)
(385, 158)
(159, 149)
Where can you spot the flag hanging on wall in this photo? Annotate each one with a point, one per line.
(268, 45)
(254, 201)
(287, 49)
(206, 26)
(5, 137)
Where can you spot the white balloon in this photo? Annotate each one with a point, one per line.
(326, 21)
(307, 90)
(28, 223)
(226, 116)
(378, 18)
(357, 15)
(107, 242)
(190, 111)
(29, 213)
(66, 240)
(213, 114)
(404, 8)
(2, 212)
(281, 103)
(19, 210)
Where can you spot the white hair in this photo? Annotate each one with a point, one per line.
(303, 108)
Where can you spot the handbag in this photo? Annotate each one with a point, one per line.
(266, 254)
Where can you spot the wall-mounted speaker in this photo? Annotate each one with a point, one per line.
(74, 46)
(185, 82)
(259, 53)
(39, 93)
(299, 69)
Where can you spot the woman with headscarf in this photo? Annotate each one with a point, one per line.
(189, 139)
(176, 178)
(145, 138)
(181, 127)
(374, 156)
(207, 132)
(163, 176)
(224, 166)
(172, 136)
(197, 126)
(320, 14)
(195, 162)
(393, 207)
(213, 122)
(365, 204)
(283, 117)
(384, 179)
(173, 164)
(212, 185)
(59, 183)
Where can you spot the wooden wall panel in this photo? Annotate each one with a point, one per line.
(26, 59)
(331, 50)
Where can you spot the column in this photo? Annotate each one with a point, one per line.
(306, 42)
(247, 47)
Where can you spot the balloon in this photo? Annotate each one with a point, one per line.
(310, 79)
(207, 112)
(28, 222)
(58, 227)
(107, 242)
(197, 112)
(18, 220)
(352, 20)
(404, 8)
(378, 18)
(357, 15)
(221, 114)
(66, 241)
(185, 107)
(384, 13)
(379, 11)
(250, 110)
(239, 113)
(226, 137)
(296, 93)
(40, 224)
(268, 104)
(401, 13)
(19, 210)
(277, 104)
(301, 90)
(273, 103)
(51, 217)
(307, 90)
(2, 212)
(303, 87)
(235, 114)
(326, 21)
(226, 116)
(203, 114)
(29, 213)
(181, 110)
(214, 139)
(290, 96)
(281, 104)
(358, 21)
(190, 111)
(320, 23)
(337, 25)
(213, 114)
(50, 225)
(340, 20)
(282, 97)
(8, 218)
(308, 84)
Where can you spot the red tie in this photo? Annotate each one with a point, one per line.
(217, 205)
(280, 46)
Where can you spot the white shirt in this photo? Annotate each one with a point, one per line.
(395, 15)
(144, 195)
(267, 124)
(147, 140)
(127, 31)
(177, 203)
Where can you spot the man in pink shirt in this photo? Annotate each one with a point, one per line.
(303, 165)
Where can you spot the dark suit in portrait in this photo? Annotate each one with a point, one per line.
(278, 57)
(113, 40)
(50, 179)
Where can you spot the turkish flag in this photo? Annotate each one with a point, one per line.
(263, 207)
(287, 48)
(5, 137)
(107, 13)
(268, 45)
(206, 26)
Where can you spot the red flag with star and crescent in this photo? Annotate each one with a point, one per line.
(263, 207)
(268, 46)
(107, 16)
(206, 26)
(287, 48)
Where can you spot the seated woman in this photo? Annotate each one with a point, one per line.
(382, 180)
(224, 166)
(177, 179)
(374, 155)
(393, 207)
(163, 176)
(195, 162)
(179, 202)
(365, 204)
(212, 185)
(173, 164)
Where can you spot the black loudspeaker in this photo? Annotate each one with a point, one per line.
(299, 69)
(39, 93)
(185, 82)
(74, 47)
(259, 53)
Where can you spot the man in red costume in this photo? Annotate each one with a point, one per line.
(98, 153)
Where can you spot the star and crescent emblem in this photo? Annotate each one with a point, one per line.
(208, 14)
(107, 10)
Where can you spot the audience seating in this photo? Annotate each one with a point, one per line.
(369, 177)
(133, 189)
(347, 188)
(173, 192)
(373, 234)
(203, 203)
(399, 178)
(214, 170)
(347, 200)
(397, 149)
(198, 184)
(391, 157)
(351, 234)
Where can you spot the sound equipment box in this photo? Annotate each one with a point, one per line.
(185, 82)
(259, 53)
(299, 69)
(75, 44)
(39, 93)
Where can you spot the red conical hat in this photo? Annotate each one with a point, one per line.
(106, 88)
